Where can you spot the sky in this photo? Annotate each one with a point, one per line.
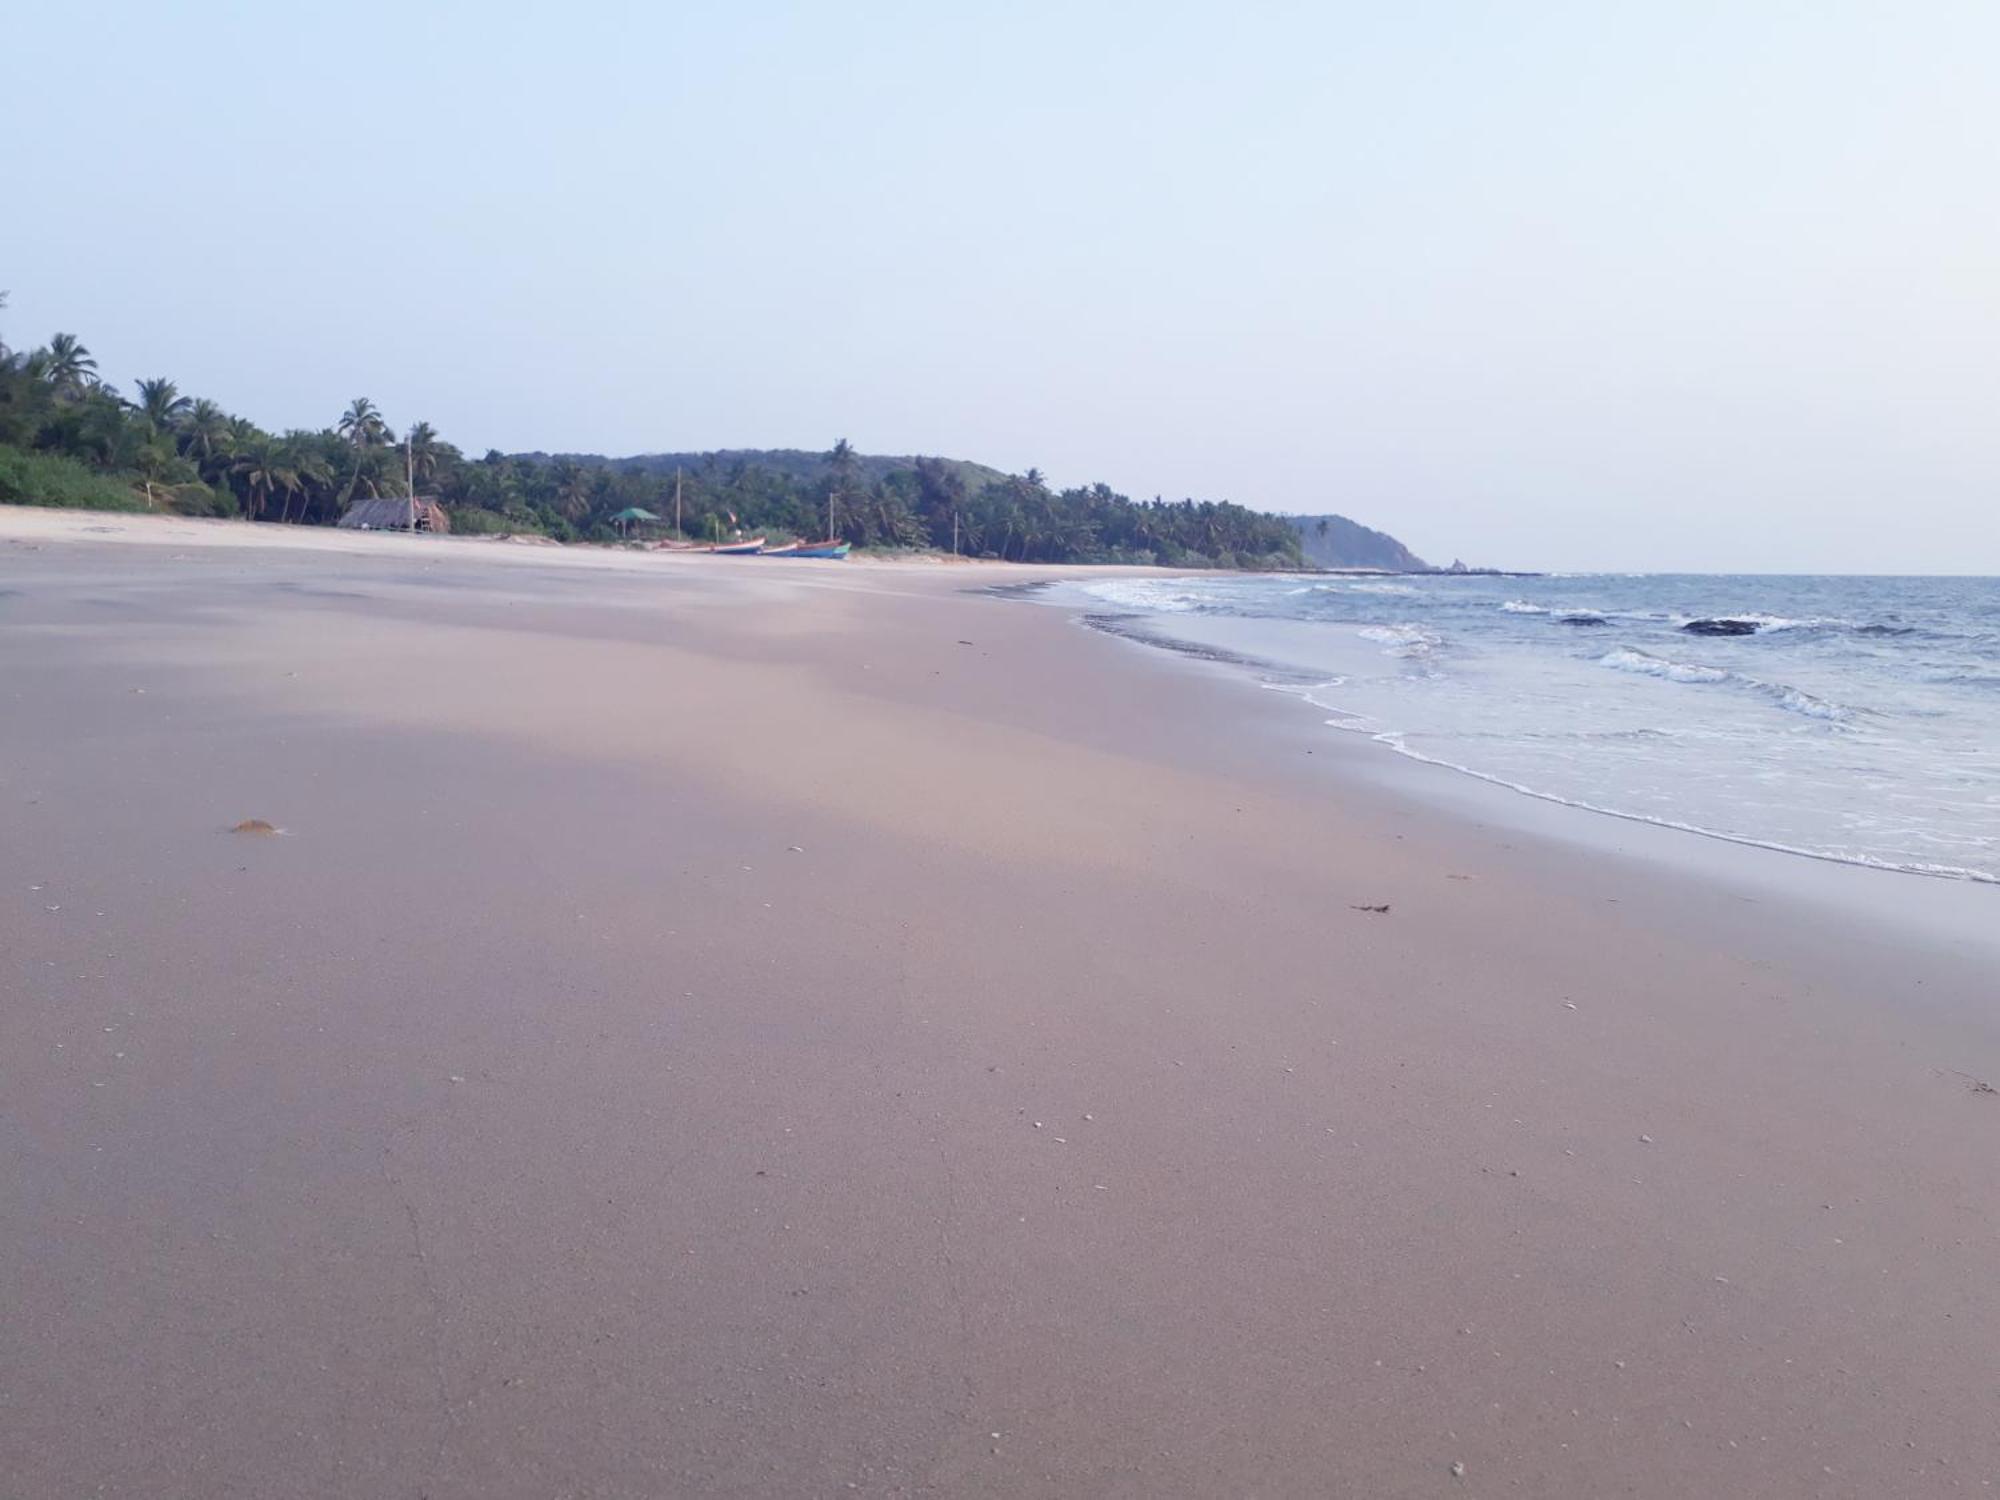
(1652, 286)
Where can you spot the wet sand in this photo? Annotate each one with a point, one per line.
(712, 1027)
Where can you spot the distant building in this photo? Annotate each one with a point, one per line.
(394, 515)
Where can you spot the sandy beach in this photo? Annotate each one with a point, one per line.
(734, 1027)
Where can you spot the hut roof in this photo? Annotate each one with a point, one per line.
(394, 515)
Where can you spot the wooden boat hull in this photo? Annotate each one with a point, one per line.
(738, 549)
(811, 549)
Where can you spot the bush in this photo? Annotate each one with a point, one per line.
(197, 499)
(476, 520)
(46, 479)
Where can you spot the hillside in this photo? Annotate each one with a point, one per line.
(69, 438)
(787, 463)
(1336, 542)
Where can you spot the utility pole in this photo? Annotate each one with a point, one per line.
(677, 504)
(954, 532)
(410, 473)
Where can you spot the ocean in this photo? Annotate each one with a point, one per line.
(1854, 719)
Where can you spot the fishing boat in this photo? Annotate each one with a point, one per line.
(738, 549)
(832, 547)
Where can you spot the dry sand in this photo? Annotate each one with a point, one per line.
(742, 1028)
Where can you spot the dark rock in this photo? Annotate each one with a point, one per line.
(1720, 627)
(1582, 620)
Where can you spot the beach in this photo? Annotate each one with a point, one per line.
(737, 1027)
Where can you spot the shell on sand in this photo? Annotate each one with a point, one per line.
(254, 825)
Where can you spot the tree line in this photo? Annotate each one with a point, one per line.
(67, 436)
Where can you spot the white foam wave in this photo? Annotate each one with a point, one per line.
(1791, 699)
(1523, 607)
(1402, 640)
(1395, 741)
(1770, 624)
(1152, 595)
(1627, 660)
(1800, 702)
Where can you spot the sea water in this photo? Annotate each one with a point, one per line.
(1853, 718)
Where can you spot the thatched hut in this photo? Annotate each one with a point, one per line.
(396, 515)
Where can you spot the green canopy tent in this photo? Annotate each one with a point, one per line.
(629, 514)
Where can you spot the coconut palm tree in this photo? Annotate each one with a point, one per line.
(310, 469)
(572, 489)
(424, 455)
(842, 489)
(161, 403)
(365, 431)
(362, 425)
(68, 366)
(99, 427)
(262, 468)
(204, 434)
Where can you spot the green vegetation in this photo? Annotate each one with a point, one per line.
(68, 438)
(1336, 542)
(46, 479)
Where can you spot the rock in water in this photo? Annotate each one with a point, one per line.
(1720, 627)
(254, 825)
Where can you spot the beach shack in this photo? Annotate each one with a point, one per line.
(422, 514)
(630, 516)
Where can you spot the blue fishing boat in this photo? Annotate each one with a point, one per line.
(809, 549)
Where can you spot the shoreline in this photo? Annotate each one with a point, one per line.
(34, 525)
(1170, 633)
(724, 1030)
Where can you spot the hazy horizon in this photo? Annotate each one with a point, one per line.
(1689, 287)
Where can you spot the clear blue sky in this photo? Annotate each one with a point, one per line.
(1534, 283)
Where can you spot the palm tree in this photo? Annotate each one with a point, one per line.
(572, 489)
(204, 433)
(842, 460)
(423, 441)
(68, 367)
(362, 425)
(161, 403)
(310, 470)
(104, 429)
(262, 467)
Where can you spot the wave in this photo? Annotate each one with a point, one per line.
(1772, 624)
(1764, 624)
(1394, 740)
(1785, 696)
(1973, 677)
(1906, 782)
(1628, 660)
(1403, 640)
(1585, 614)
(1151, 595)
